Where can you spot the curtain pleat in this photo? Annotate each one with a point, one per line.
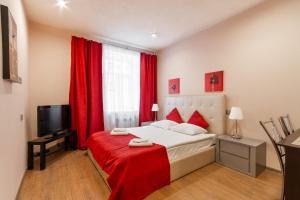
(148, 86)
(85, 95)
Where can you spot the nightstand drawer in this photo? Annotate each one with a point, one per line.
(233, 148)
(246, 155)
(234, 162)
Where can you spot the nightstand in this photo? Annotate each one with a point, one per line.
(147, 123)
(245, 155)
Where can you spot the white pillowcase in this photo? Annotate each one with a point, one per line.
(189, 129)
(164, 124)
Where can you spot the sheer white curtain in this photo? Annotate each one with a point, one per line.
(121, 87)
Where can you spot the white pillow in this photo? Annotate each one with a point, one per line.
(164, 124)
(189, 129)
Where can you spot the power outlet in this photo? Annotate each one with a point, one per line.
(227, 111)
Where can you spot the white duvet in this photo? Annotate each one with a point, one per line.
(168, 138)
(178, 145)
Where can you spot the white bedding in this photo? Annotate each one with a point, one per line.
(178, 145)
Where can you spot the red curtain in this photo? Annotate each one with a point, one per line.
(86, 88)
(148, 86)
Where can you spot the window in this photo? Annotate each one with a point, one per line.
(121, 87)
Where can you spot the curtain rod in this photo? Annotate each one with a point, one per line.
(116, 43)
(132, 48)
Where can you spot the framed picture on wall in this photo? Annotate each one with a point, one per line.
(174, 86)
(214, 81)
(9, 46)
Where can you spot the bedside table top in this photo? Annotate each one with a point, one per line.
(244, 140)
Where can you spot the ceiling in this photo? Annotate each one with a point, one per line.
(133, 21)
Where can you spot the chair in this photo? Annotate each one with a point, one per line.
(273, 133)
(286, 125)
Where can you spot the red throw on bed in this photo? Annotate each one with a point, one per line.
(134, 172)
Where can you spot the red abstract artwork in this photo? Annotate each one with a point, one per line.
(214, 81)
(174, 86)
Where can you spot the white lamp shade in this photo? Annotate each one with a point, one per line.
(155, 107)
(236, 113)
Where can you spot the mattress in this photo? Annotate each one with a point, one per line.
(178, 145)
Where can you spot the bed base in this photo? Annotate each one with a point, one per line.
(178, 168)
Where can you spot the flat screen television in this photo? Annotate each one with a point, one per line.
(52, 119)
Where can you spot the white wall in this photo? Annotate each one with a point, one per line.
(13, 103)
(259, 52)
(49, 68)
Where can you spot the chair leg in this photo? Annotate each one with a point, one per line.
(283, 188)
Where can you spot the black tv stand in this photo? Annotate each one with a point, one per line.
(50, 137)
(42, 141)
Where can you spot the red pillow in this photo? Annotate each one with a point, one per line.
(198, 120)
(174, 116)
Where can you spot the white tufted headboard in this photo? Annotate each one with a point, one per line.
(211, 107)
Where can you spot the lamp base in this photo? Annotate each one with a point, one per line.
(155, 116)
(236, 132)
(237, 137)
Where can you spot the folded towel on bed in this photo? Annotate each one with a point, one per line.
(119, 131)
(139, 142)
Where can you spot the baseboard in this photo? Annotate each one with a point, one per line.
(20, 184)
(273, 169)
(268, 168)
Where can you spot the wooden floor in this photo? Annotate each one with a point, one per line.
(71, 175)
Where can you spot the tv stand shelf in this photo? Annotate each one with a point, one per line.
(51, 150)
(42, 141)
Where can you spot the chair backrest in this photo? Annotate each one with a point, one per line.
(273, 133)
(286, 124)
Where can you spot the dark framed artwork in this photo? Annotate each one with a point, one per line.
(9, 46)
(174, 86)
(214, 81)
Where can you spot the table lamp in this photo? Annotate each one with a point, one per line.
(155, 109)
(236, 114)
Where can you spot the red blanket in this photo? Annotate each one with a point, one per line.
(134, 172)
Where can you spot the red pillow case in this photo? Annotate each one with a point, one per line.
(174, 116)
(198, 120)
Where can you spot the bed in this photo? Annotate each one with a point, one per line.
(185, 153)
